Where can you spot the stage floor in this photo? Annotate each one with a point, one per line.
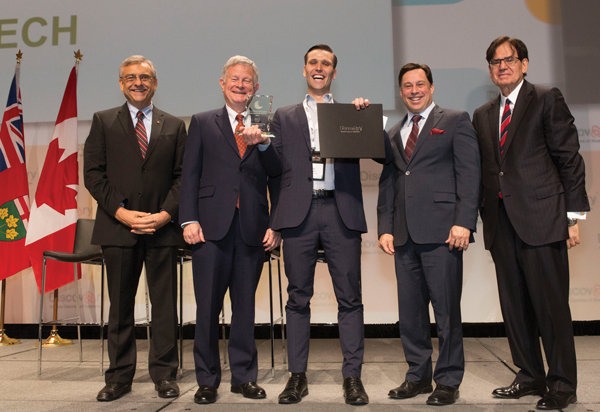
(67, 384)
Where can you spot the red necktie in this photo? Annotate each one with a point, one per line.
(412, 138)
(140, 132)
(506, 116)
(240, 143)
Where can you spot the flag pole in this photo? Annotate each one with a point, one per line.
(4, 339)
(54, 340)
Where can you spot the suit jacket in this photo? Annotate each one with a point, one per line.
(438, 187)
(214, 174)
(541, 174)
(115, 172)
(292, 142)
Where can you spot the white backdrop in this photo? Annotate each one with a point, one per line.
(190, 41)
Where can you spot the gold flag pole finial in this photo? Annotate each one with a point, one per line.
(78, 55)
(19, 56)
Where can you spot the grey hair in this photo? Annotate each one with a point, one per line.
(235, 60)
(136, 59)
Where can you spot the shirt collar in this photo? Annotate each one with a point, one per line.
(424, 114)
(310, 101)
(134, 110)
(513, 95)
(232, 113)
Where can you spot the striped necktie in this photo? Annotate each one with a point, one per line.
(140, 132)
(506, 116)
(412, 137)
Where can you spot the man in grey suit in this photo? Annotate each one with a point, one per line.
(533, 195)
(427, 212)
(319, 204)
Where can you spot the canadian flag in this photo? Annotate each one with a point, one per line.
(53, 214)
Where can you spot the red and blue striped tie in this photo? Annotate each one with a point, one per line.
(506, 116)
(140, 132)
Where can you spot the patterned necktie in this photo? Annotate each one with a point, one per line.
(240, 143)
(140, 132)
(238, 135)
(506, 116)
(412, 138)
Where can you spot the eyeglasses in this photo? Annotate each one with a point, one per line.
(144, 78)
(510, 61)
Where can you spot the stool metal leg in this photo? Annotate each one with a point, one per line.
(181, 314)
(271, 324)
(78, 304)
(102, 318)
(41, 313)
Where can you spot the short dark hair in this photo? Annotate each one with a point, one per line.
(415, 66)
(321, 47)
(516, 44)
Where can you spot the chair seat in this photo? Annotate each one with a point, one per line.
(75, 257)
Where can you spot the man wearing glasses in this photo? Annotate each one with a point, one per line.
(132, 166)
(533, 195)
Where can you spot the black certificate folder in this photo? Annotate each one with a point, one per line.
(345, 132)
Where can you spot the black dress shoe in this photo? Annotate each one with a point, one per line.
(516, 390)
(443, 395)
(167, 389)
(205, 394)
(112, 391)
(410, 389)
(295, 389)
(556, 400)
(249, 390)
(354, 391)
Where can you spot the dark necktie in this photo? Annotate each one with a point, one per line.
(140, 132)
(412, 138)
(506, 116)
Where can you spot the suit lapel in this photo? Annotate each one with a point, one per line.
(434, 117)
(157, 124)
(398, 140)
(303, 122)
(523, 100)
(222, 120)
(124, 118)
(493, 114)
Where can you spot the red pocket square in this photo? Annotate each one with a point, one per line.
(437, 131)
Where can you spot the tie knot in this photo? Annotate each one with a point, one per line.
(140, 115)
(239, 118)
(507, 102)
(416, 119)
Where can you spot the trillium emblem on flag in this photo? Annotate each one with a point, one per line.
(11, 224)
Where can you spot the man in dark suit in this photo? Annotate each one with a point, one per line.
(225, 214)
(427, 212)
(533, 194)
(132, 167)
(320, 203)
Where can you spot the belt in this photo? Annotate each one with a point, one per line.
(322, 194)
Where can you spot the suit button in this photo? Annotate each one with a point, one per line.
(407, 173)
(241, 169)
(310, 179)
(143, 170)
(140, 194)
(501, 173)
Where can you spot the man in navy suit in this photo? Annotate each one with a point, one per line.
(533, 195)
(225, 214)
(427, 212)
(319, 204)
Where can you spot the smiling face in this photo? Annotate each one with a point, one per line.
(416, 91)
(507, 77)
(137, 92)
(319, 73)
(238, 83)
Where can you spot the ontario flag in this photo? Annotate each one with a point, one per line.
(54, 210)
(14, 190)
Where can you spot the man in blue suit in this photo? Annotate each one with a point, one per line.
(225, 215)
(319, 204)
(427, 212)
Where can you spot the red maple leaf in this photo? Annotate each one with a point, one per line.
(52, 188)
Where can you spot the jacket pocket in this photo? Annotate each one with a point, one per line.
(548, 190)
(206, 191)
(444, 197)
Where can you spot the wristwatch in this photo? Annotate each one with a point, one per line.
(572, 222)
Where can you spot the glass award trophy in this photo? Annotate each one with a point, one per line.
(261, 112)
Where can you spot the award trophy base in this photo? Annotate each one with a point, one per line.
(6, 341)
(55, 341)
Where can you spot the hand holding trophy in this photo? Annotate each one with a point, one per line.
(260, 112)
